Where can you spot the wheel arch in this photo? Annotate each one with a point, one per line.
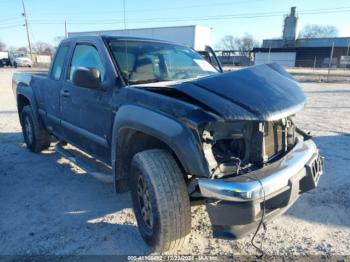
(149, 129)
(24, 97)
(22, 101)
(131, 141)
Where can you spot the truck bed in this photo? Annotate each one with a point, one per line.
(25, 77)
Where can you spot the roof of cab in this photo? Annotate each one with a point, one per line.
(111, 38)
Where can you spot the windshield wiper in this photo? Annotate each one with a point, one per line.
(145, 81)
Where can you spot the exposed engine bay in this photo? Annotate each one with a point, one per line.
(239, 147)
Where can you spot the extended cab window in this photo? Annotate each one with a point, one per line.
(59, 61)
(86, 56)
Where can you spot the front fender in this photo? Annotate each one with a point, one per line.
(176, 135)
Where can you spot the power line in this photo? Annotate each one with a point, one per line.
(186, 19)
(176, 8)
(246, 15)
(230, 3)
(228, 16)
(200, 18)
(11, 26)
(9, 19)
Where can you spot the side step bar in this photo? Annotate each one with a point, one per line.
(88, 168)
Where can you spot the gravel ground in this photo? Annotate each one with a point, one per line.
(49, 207)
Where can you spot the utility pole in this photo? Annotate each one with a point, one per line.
(26, 25)
(234, 58)
(65, 28)
(314, 64)
(330, 62)
(347, 54)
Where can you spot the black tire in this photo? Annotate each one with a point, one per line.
(35, 136)
(169, 222)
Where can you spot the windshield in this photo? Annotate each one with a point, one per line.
(16, 55)
(147, 62)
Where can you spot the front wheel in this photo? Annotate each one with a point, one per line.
(160, 200)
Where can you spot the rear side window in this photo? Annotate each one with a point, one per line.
(86, 56)
(59, 61)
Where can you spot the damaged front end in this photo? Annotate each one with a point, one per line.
(255, 165)
(254, 157)
(257, 158)
(235, 148)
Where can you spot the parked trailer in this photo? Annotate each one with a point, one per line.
(194, 36)
(4, 58)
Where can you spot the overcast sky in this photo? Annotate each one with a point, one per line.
(261, 18)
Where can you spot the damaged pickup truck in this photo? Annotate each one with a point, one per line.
(176, 131)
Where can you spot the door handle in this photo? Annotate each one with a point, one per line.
(65, 93)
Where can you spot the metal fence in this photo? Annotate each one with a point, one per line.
(310, 70)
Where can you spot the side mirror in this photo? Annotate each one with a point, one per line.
(87, 77)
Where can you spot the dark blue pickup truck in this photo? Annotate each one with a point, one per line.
(176, 131)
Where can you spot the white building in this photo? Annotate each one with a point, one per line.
(194, 36)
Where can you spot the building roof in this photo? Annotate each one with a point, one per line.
(307, 42)
(290, 49)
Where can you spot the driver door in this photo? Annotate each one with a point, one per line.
(86, 112)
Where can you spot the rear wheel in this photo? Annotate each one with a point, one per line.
(160, 200)
(35, 137)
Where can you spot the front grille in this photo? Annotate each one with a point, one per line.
(274, 139)
(270, 139)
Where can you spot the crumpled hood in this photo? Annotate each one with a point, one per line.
(264, 92)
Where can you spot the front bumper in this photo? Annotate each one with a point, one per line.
(238, 201)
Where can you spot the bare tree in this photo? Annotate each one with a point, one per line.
(227, 43)
(246, 44)
(314, 31)
(242, 44)
(2, 46)
(57, 40)
(43, 48)
(22, 49)
(12, 49)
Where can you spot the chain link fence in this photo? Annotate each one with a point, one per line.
(309, 70)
